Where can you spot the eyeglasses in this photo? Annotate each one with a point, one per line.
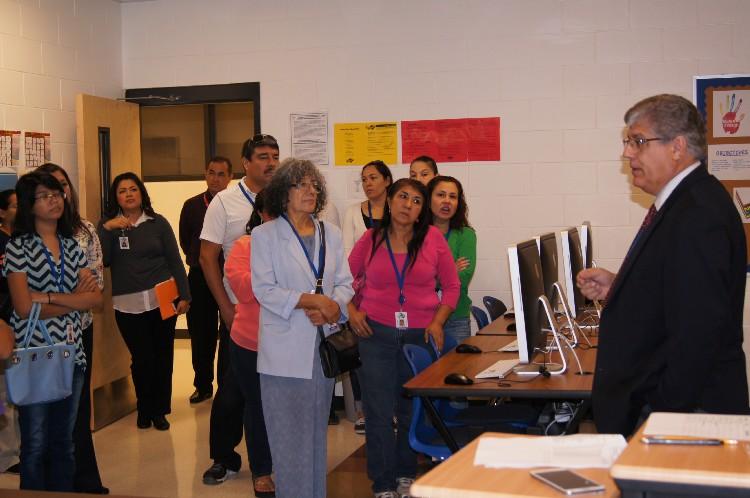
(314, 186)
(262, 138)
(638, 142)
(50, 196)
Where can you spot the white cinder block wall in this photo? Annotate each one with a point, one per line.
(53, 50)
(560, 74)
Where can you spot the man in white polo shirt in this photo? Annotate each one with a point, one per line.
(224, 223)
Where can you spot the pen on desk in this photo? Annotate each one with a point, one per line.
(686, 440)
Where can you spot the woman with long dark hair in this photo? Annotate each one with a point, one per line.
(400, 262)
(87, 478)
(140, 248)
(45, 264)
(448, 213)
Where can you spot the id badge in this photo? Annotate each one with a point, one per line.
(402, 320)
(70, 333)
(124, 243)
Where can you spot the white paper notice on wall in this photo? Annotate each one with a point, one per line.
(10, 150)
(309, 132)
(37, 149)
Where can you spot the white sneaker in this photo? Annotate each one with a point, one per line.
(404, 486)
(386, 494)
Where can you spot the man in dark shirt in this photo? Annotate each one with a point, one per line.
(202, 318)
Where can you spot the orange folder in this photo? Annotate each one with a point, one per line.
(166, 293)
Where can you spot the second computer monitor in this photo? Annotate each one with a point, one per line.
(587, 245)
(548, 255)
(527, 285)
(573, 264)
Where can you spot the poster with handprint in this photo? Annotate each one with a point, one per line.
(729, 113)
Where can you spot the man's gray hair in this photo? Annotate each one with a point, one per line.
(290, 172)
(671, 116)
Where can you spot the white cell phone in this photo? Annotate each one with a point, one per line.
(567, 481)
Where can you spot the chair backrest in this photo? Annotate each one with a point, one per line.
(449, 344)
(480, 317)
(495, 307)
(421, 434)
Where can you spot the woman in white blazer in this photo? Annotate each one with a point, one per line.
(285, 262)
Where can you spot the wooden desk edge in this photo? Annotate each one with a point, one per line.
(680, 476)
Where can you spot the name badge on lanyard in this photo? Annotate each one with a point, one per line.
(124, 242)
(401, 317)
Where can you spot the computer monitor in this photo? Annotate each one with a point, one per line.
(572, 263)
(587, 247)
(547, 245)
(527, 285)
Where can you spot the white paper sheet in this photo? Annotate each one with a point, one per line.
(700, 425)
(576, 451)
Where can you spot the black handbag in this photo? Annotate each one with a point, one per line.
(339, 352)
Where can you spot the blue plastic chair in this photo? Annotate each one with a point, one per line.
(422, 436)
(495, 307)
(480, 316)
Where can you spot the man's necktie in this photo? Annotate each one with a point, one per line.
(644, 226)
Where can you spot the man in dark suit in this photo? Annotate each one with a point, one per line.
(671, 329)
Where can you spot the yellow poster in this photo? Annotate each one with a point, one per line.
(356, 144)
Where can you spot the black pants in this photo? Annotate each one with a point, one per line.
(87, 471)
(150, 341)
(226, 411)
(245, 369)
(203, 325)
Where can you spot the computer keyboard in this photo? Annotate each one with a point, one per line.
(511, 347)
(498, 369)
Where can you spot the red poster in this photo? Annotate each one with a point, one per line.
(451, 140)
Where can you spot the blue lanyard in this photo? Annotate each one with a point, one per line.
(52, 267)
(321, 253)
(247, 195)
(400, 277)
(448, 233)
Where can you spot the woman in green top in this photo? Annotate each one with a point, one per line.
(448, 212)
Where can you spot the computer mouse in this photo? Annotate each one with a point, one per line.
(458, 379)
(467, 348)
(511, 327)
(510, 316)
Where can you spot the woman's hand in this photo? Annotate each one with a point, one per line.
(462, 263)
(434, 329)
(117, 223)
(182, 307)
(358, 322)
(87, 283)
(316, 317)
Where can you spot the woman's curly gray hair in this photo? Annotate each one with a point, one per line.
(290, 172)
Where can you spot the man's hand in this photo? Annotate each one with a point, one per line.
(227, 314)
(182, 307)
(595, 282)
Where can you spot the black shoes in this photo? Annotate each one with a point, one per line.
(160, 422)
(144, 421)
(217, 473)
(198, 396)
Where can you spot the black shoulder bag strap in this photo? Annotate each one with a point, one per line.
(319, 281)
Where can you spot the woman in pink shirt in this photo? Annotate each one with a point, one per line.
(243, 351)
(401, 261)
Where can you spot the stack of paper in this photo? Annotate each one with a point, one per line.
(699, 425)
(576, 451)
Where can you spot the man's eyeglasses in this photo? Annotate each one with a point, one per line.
(50, 196)
(638, 142)
(314, 186)
(262, 138)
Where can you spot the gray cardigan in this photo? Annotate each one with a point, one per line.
(153, 257)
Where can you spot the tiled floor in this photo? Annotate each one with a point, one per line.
(152, 463)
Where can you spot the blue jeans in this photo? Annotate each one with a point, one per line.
(384, 370)
(244, 364)
(458, 328)
(47, 456)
